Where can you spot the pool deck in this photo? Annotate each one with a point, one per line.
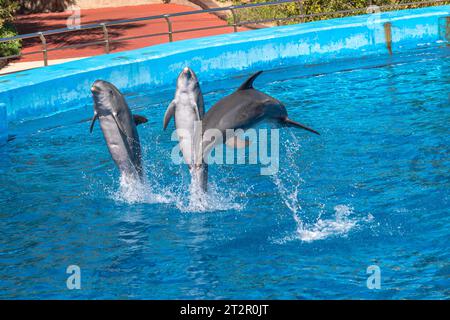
(48, 21)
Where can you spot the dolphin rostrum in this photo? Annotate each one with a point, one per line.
(187, 108)
(119, 128)
(243, 109)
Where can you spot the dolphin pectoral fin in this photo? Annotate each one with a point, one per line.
(93, 122)
(292, 123)
(170, 112)
(248, 84)
(139, 119)
(114, 115)
(236, 142)
(197, 113)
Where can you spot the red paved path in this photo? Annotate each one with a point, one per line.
(41, 22)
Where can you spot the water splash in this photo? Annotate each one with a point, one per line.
(186, 196)
(135, 191)
(339, 226)
(198, 198)
(215, 199)
(151, 189)
(321, 229)
(289, 182)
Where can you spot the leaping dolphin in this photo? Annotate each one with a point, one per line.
(243, 109)
(188, 110)
(119, 128)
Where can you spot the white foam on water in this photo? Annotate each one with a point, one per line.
(289, 182)
(340, 225)
(215, 199)
(133, 191)
(186, 197)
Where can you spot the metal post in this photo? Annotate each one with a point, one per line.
(302, 11)
(106, 37)
(233, 13)
(447, 28)
(388, 36)
(44, 48)
(169, 27)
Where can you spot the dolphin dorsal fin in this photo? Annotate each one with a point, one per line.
(139, 119)
(248, 84)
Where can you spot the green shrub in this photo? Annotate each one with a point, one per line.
(12, 47)
(7, 10)
(319, 8)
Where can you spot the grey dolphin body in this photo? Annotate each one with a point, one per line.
(187, 108)
(243, 109)
(119, 128)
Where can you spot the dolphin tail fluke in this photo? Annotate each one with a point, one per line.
(292, 123)
(248, 84)
(93, 122)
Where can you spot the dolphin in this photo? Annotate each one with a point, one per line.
(187, 109)
(243, 109)
(119, 128)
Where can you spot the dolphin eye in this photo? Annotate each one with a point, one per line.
(110, 92)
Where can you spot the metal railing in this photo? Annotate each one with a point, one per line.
(235, 24)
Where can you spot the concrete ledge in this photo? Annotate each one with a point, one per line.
(94, 4)
(43, 91)
(3, 124)
(21, 66)
(36, 6)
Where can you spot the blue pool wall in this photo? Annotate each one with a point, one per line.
(45, 91)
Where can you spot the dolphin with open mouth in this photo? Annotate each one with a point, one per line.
(119, 128)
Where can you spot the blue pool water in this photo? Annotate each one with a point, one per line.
(373, 189)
